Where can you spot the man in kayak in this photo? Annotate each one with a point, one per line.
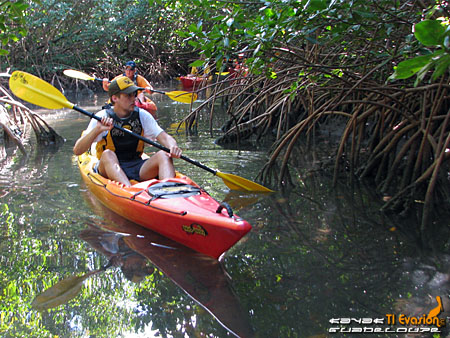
(140, 81)
(120, 153)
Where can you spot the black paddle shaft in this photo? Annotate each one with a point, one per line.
(146, 140)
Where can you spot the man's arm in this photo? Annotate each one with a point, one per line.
(84, 142)
(169, 142)
(143, 82)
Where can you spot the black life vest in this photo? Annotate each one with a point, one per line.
(126, 146)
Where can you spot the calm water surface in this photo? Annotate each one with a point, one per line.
(316, 255)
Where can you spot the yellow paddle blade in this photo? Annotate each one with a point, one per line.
(32, 89)
(181, 96)
(235, 182)
(60, 293)
(222, 73)
(78, 75)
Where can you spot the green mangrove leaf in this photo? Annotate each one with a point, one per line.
(194, 44)
(181, 33)
(422, 72)
(430, 32)
(269, 12)
(442, 64)
(193, 28)
(197, 63)
(316, 5)
(408, 68)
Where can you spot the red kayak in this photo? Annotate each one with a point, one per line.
(176, 208)
(190, 82)
(148, 105)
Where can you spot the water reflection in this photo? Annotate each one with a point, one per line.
(132, 247)
(334, 255)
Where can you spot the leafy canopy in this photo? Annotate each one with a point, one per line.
(435, 35)
(12, 23)
(260, 28)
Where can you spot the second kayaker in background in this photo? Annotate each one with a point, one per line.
(120, 153)
(140, 81)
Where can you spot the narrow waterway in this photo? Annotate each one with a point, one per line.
(320, 260)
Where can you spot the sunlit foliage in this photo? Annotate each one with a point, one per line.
(12, 23)
(100, 35)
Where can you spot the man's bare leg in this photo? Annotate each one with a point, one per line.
(109, 167)
(160, 165)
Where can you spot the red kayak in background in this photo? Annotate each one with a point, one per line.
(148, 105)
(193, 82)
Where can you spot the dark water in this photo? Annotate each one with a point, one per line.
(316, 256)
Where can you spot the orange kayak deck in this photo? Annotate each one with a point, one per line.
(176, 208)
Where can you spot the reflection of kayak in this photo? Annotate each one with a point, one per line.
(201, 277)
(148, 105)
(176, 208)
(190, 82)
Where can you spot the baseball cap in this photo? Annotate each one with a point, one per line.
(122, 85)
(131, 64)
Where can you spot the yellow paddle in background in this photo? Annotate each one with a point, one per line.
(34, 90)
(176, 95)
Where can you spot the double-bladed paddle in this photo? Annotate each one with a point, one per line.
(176, 95)
(41, 93)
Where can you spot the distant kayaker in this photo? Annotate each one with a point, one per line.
(120, 153)
(130, 71)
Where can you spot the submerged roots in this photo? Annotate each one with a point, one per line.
(15, 122)
(395, 135)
